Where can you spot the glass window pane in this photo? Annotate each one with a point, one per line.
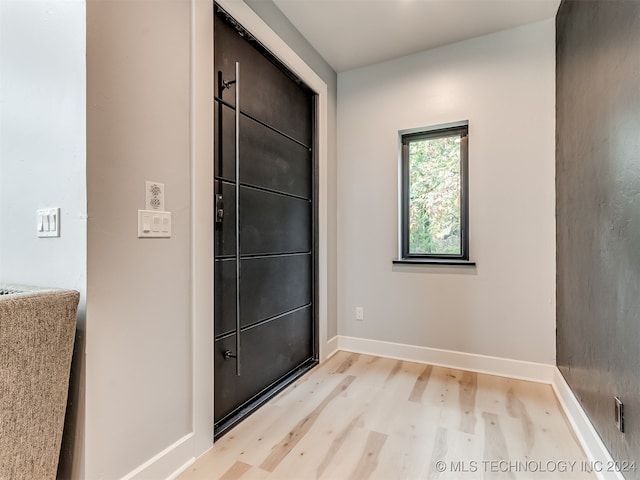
(434, 196)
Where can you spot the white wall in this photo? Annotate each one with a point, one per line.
(504, 85)
(42, 141)
(42, 163)
(140, 328)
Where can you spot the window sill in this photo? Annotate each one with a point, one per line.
(435, 261)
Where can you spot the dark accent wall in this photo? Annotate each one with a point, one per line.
(598, 213)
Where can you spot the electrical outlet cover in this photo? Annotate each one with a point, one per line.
(619, 414)
(154, 195)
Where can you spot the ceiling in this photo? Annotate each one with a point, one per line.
(354, 33)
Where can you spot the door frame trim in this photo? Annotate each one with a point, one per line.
(202, 196)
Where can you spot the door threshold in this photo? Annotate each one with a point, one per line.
(223, 426)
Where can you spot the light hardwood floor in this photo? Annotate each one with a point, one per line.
(359, 417)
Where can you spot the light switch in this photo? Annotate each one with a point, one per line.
(154, 224)
(146, 223)
(53, 221)
(48, 222)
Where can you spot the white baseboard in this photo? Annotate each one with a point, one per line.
(595, 450)
(331, 348)
(503, 367)
(167, 464)
(182, 469)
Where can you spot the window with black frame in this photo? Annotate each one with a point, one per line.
(434, 195)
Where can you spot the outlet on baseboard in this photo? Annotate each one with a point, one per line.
(619, 414)
(359, 313)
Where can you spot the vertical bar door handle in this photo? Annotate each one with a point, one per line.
(237, 161)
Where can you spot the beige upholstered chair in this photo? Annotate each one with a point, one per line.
(37, 332)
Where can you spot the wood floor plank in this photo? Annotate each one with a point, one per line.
(444, 391)
(517, 409)
(337, 444)
(370, 379)
(411, 428)
(347, 363)
(385, 410)
(420, 385)
(369, 459)
(495, 445)
(305, 458)
(439, 454)
(467, 396)
(293, 437)
(490, 394)
(402, 458)
(236, 471)
(397, 368)
(463, 449)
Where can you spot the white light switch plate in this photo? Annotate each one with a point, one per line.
(154, 224)
(48, 222)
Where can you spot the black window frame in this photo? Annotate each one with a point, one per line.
(440, 131)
